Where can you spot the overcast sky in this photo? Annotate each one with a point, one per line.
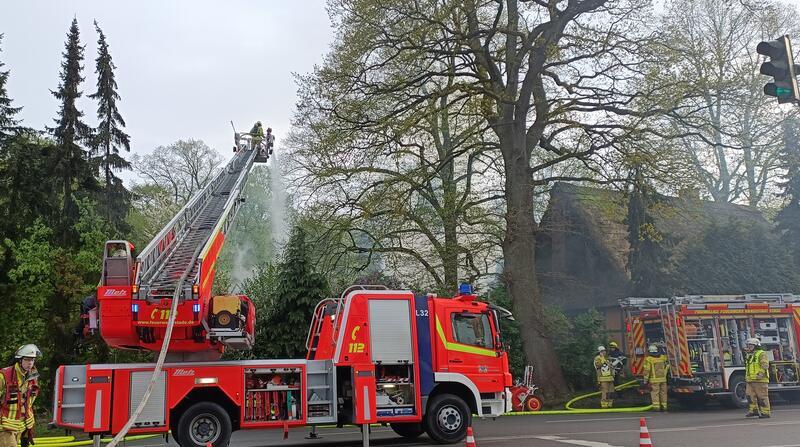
(185, 68)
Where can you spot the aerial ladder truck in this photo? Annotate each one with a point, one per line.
(419, 363)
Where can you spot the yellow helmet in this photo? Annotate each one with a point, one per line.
(613, 344)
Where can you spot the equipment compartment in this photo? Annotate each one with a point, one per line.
(395, 390)
(273, 395)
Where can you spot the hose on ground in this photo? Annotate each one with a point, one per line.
(569, 409)
(69, 441)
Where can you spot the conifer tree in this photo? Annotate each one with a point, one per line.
(109, 137)
(788, 219)
(71, 161)
(298, 290)
(8, 122)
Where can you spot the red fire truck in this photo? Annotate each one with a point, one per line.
(704, 337)
(417, 362)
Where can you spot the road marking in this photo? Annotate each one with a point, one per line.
(575, 441)
(591, 420)
(699, 427)
(793, 445)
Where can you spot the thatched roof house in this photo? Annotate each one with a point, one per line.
(582, 248)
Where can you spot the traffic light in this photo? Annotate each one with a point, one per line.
(782, 68)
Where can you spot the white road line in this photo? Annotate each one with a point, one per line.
(793, 445)
(555, 421)
(698, 427)
(575, 441)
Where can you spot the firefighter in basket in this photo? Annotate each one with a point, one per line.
(19, 388)
(605, 377)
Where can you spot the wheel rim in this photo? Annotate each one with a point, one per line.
(204, 428)
(534, 404)
(449, 418)
(740, 392)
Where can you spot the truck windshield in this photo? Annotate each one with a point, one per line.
(472, 329)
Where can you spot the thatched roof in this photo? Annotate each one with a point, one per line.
(596, 218)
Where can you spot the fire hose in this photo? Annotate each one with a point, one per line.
(569, 409)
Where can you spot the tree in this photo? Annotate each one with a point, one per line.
(296, 289)
(400, 169)
(728, 132)
(788, 219)
(71, 160)
(109, 137)
(182, 168)
(8, 122)
(555, 83)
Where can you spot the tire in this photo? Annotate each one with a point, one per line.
(202, 423)
(447, 419)
(533, 403)
(738, 397)
(408, 430)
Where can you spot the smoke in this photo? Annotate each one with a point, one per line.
(277, 204)
(242, 267)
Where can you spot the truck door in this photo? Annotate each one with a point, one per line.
(469, 342)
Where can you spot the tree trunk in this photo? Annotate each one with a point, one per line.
(519, 246)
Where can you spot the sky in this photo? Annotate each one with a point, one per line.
(185, 68)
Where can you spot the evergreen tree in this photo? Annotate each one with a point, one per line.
(788, 219)
(647, 256)
(8, 122)
(298, 290)
(71, 163)
(109, 137)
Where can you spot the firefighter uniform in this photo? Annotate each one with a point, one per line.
(656, 369)
(18, 390)
(757, 377)
(605, 378)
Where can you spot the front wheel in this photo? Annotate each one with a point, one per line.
(408, 430)
(738, 397)
(447, 419)
(204, 423)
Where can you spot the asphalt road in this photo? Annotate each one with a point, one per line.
(713, 427)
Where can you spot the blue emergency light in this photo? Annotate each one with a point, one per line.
(465, 289)
(135, 308)
(196, 308)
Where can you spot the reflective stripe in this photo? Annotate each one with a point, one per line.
(458, 347)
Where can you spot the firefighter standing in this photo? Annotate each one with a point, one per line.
(605, 377)
(757, 377)
(656, 369)
(18, 390)
(617, 358)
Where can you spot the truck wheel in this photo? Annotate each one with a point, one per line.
(447, 419)
(738, 397)
(409, 430)
(203, 423)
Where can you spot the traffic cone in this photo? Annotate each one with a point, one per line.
(470, 438)
(644, 435)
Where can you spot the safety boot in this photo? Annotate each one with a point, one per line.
(763, 416)
(751, 414)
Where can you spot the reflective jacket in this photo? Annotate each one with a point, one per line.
(605, 373)
(655, 369)
(18, 391)
(757, 367)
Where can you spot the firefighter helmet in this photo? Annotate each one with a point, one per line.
(601, 348)
(754, 341)
(613, 344)
(653, 349)
(29, 350)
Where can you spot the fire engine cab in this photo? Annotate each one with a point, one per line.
(704, 338)
(419, 363)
